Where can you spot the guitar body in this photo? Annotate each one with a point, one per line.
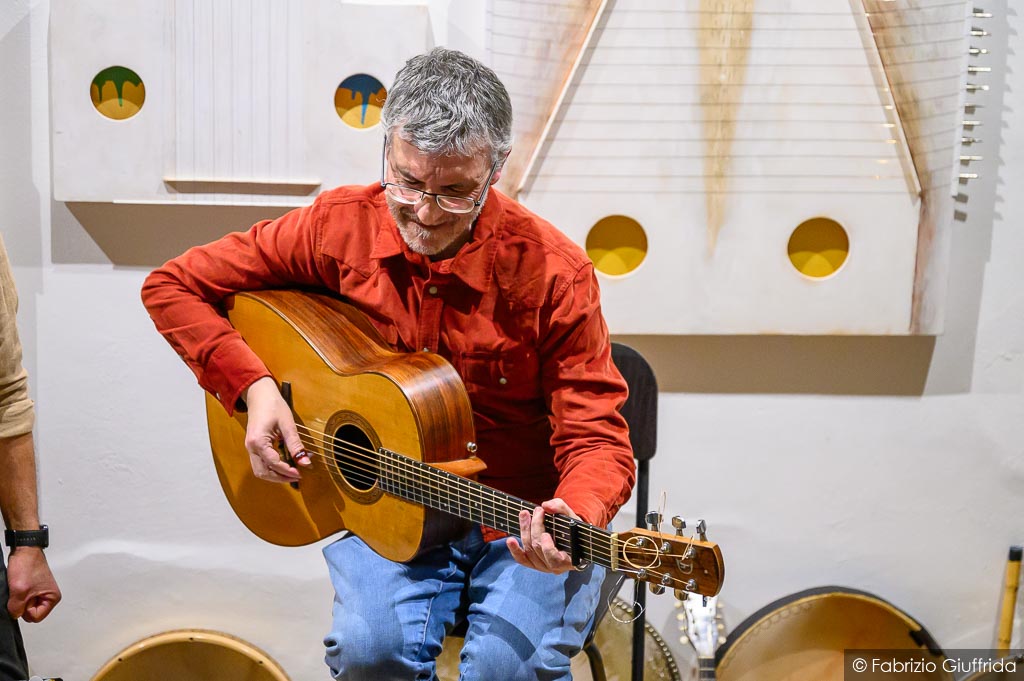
(351, 396)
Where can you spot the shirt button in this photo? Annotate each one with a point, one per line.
(503, 380)
(432, 290)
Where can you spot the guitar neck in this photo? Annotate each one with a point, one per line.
(706, 669)
(423, 484)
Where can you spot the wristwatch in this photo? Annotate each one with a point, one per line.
(40, 537)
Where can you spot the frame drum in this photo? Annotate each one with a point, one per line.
(802, 638)
(614, 640)
(191, 655)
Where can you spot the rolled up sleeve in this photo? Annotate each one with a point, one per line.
(17, 413)
(586, 392)
(185, 295)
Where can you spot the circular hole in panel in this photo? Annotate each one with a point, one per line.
(117, 92)
(818, 247)
(617, 245)
(358, 100)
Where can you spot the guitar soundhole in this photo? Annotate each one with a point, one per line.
(356, 457)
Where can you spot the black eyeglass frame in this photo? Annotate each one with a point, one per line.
(476, 203)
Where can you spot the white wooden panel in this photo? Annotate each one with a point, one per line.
(239, 97)
(97, 158)
(356, 39)
(721, 132)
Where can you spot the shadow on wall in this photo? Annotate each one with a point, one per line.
(141, 235)
(818, 365)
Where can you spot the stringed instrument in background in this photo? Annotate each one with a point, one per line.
(702, 626)
(391, 441)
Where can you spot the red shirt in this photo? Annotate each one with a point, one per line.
(516, 311)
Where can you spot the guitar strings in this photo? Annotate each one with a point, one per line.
(317, 439)
(406, 474)
(434, 477)
(405, 471)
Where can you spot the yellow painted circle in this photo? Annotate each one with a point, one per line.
(818, 247)
(617, 245)
(117, 92)
(359, 99)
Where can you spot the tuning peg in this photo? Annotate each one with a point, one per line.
(679, 523)
(680, 594)
(653, 521)
(702, 530)
(656, 589)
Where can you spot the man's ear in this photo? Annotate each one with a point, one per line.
(501, 169)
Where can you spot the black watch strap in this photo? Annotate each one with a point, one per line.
(40, 537)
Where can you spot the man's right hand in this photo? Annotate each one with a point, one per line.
(270, 421)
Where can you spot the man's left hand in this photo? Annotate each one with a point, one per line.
(34, 591)
(538, 550)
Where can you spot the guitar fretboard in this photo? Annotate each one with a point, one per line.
(434, 488)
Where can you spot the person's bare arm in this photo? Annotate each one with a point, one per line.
(33, 590)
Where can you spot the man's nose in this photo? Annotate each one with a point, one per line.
(428, 212)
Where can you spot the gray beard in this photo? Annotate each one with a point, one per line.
(421, 240)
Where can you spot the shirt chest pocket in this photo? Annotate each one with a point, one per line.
(503, 384)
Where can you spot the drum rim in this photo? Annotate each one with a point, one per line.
(917, 630)
(673, 666)
(198, 635)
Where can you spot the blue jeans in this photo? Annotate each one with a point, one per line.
(391, 618)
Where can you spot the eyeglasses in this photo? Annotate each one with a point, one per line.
(410, 196)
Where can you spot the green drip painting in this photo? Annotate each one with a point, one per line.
(118, 75)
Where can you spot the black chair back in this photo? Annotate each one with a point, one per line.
(641, 414)
(641, 408)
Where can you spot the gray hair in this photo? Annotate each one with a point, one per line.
(447, 102)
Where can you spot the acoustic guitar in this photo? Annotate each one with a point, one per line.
(391, 440)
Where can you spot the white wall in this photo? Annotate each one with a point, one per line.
(890, 465)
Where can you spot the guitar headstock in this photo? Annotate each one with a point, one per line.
(666, 561)
(701, 624)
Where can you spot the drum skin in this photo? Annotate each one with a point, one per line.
(802, 638)
(191, 655)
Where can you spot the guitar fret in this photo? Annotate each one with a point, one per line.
(441, 490)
